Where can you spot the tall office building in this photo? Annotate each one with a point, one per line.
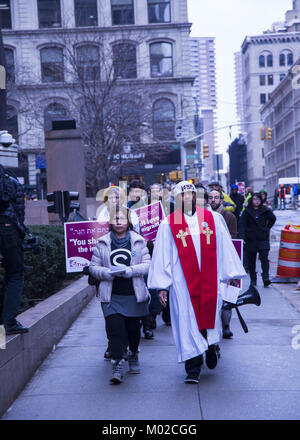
(203, 67)
(263, 63)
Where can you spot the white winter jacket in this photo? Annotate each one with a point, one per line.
(140, 263)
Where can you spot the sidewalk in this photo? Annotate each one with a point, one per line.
(257, 377)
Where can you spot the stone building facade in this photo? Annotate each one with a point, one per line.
(154, 35)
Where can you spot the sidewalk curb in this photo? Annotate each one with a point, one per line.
(47, 322)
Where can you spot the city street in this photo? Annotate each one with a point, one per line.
(257, 377)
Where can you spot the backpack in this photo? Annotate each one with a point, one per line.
(4, 191)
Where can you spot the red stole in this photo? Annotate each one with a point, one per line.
(202, 285)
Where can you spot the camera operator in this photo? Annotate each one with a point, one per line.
(12, 232)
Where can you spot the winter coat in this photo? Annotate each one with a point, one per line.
(254, 228)
(15, 212)
(238, 200)
(140, 263)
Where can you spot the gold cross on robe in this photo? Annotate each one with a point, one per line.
(208, 232)
(181, 235)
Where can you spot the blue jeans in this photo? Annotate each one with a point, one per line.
(13, 261)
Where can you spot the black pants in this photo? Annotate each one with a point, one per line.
(120, 330)
(12, 253)
(193, 365)
(263, 255)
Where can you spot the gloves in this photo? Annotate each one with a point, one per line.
(128, 273)
(107, 276)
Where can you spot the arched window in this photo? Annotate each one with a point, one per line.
(49, 13)
(164, 119)
(88, 63)
(290, 59)
(12, 122)
(10, 65)
(161, 59)
(54, 112)
(262, 61)
(124, 59)
(159, 11)
(86, 13)
(270, 60)
(282, 59)
(52, 65)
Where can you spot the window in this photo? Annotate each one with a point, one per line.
(281, 76)
(12, 122)
(282, 59)
(290, 59)
(159, 11)
(270, 60)
(122, 12)
(53, 112)
(164, 119)
(52, 64)
(262, 61)
(88, 63)
(263, 99)
(161, 59)
(124, 56)
(262, 80)
(10, 66)
(270, 80)
(5, 14)
(49, 13)
(86, 13)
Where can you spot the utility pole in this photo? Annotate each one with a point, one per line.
(2, 72)
(198, 128)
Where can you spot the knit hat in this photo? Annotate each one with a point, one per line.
(183, 187)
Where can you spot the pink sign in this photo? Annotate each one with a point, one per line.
(150, 217)
(238, 244)
(241, 186)
(80, 241)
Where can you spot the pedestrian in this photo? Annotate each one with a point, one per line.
(264, 196)
(215, 199)
(238, 199)
(228, 203)
(202, 196)
(120, 261)
(193, 252)
(12, 233)
(137, 196)
(254, 228)
(281, 196)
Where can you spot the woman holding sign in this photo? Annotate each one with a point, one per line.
(121, 260)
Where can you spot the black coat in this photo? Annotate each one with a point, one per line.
(254, 228)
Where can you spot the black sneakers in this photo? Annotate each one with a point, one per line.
(211, 356)
(227, 333)
(191, 378)
(15, 328)
(148, 334)
(117, 372)
(133, 363)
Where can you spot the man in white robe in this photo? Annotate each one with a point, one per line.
(166, 275)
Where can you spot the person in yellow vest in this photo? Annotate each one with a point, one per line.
(228, 203)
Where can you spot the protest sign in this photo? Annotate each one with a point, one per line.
(80, 241)
(150, 217)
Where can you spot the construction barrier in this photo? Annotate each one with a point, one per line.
(289, 253)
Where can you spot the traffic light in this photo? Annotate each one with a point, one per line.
(69, 205)
(268, 133)
(262, 134)
(179, 175)
(205, 150)
(56, 199)
(173, 175)
(191, 181)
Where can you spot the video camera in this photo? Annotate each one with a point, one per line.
(31, 244)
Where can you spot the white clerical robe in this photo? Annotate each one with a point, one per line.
(166, 274)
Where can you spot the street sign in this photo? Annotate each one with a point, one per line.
(198, 165)
(175, 147)
(191, 156)
(187, 167)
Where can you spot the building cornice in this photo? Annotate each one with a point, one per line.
(287, 37)
(95, 29)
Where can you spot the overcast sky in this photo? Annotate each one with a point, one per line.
(229, 21)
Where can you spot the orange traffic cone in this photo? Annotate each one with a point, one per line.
(288, 269)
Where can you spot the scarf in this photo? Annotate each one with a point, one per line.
(120, 242)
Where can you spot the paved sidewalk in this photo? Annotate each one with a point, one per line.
(258, 375)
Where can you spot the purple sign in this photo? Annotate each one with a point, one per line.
(238, 244)
(80, 242)
(150, 217)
